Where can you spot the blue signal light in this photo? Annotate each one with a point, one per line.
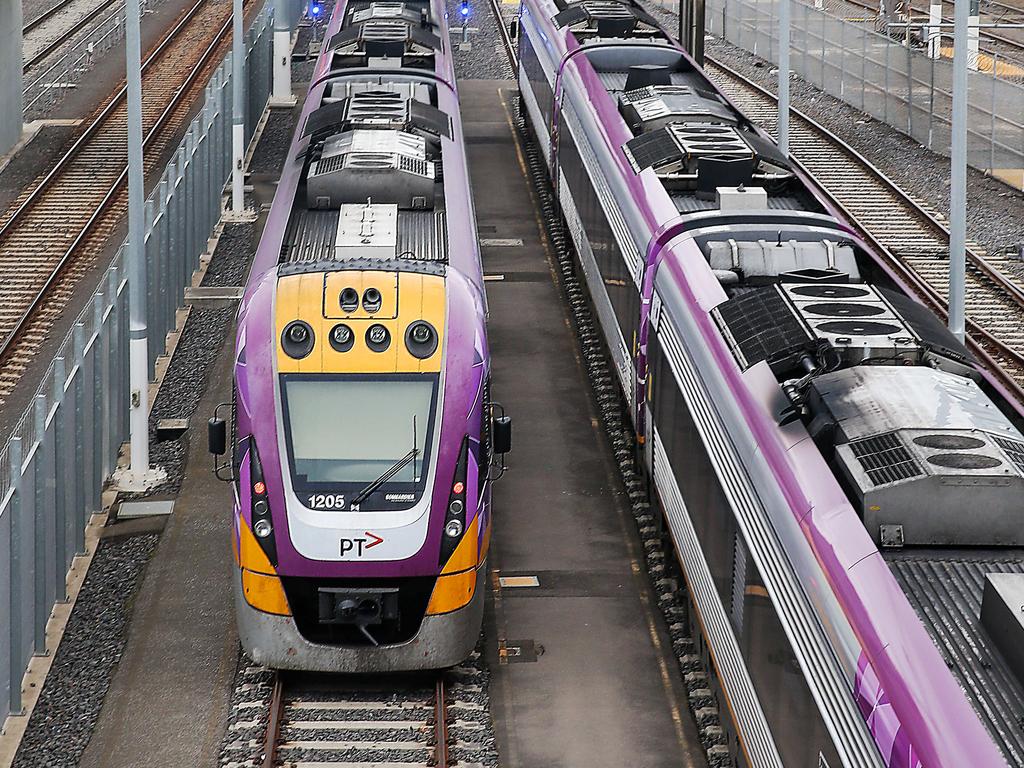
(315, 9)
(464, 8)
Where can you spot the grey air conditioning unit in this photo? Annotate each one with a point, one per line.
(928, 458)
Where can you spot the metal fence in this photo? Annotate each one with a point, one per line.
(893, 82)
(66, 445)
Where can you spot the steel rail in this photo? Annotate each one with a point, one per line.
(441, 758)
(273, 723)
(64, 37)
(506, 39)
(1004, 361)
(45, 16)
(97, 125)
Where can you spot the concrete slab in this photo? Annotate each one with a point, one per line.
(583, 673)
(130, 509)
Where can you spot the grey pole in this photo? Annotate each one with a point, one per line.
(138, 345)
(958, 173)
(10, 73)
(783, 141)
(282, 95)
(238, 111)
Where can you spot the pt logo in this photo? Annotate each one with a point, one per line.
(359, 544)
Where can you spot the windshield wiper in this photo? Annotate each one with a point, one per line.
(393, 470)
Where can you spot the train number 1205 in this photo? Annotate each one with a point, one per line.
(326, 501)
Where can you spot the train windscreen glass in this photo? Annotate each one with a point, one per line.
(359, 438)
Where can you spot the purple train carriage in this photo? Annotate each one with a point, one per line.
(363, 440)
(841, 478)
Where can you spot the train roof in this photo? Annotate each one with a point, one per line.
(759, 221)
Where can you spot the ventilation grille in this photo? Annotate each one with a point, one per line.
(385, 30)
(329, 164)
(652, 92)
(761, 326)
(701, 140)
(885, 459)
(378, 106)
(415, 165)
(1013, 449)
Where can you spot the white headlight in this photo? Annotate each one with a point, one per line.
(453, 529)
(262, 528)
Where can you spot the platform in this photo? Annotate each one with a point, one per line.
(582, 655)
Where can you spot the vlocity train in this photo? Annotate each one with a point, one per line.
(842, 481)
(363, 443)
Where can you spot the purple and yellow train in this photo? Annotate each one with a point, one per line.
(363, 439)
(842, 480)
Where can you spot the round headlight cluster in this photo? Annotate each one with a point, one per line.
(421, 339)
(371, 300)
(378, 338)
(262, 528)
(342, 338)
(453, 528)
(297, 339)
(349, 300)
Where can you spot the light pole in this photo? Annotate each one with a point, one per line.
(958, 173)
(783, 129)
(138, 342)
(282, 95)
(238, 112)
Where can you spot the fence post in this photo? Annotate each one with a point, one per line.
(60, 499)
(81, 427)
(992, 131)
(100, 376)
(17, 656)
(40, 463)
(885, 101)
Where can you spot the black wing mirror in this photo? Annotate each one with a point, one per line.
(501, 429)
(217, 436)
(513, 29)
(217, 443)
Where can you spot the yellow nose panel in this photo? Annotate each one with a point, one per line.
(316, 299)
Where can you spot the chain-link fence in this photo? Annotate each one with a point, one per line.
(890, 79)
(66, 445)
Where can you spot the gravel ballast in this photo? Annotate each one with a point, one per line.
(62, 721)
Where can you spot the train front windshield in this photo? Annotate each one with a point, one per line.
(357, 440)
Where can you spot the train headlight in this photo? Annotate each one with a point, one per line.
(453, 529)
(371, 300)
(456, 507)
(260, 508)
(297, 340)
(342, 338)
(421, 339)
(262, 528)
(349, 300)
(378, 338)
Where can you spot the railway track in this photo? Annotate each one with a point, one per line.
(398, 722)
(912, 239)
(38, 27)
(55, 232)
(1015, 44)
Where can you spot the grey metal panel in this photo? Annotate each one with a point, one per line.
(690, 203)
(616, 81)
(945, 588)
(311, 235)
(870, 400)
(423, 234)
